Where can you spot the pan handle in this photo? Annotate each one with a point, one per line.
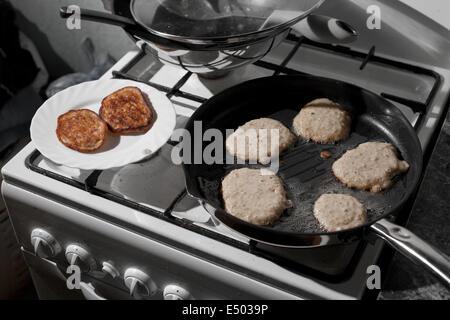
(129, 25)
(414, 248)
(98, 16)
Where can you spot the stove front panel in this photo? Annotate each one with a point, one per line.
(123, 249)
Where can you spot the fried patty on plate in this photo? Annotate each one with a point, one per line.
(81, 130)
(127, 111)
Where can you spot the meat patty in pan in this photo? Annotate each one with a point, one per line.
(323, 121)
(370, 166)
(257, 140)
(254, 195)
(336, 212)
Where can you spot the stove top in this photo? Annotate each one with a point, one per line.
(413, 88)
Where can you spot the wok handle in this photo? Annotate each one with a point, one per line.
(414, 248)
(129, 25)
(99, 16)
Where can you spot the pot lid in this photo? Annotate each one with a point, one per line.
(213, 21)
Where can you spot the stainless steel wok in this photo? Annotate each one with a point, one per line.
(205, 36)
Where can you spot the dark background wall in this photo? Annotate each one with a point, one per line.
(60, 47)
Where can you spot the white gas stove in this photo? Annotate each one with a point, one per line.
(135, 233)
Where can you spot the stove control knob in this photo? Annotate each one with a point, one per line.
(44, 244)
(139, 283)
(80, 257)
(109, 269)
(174, 292)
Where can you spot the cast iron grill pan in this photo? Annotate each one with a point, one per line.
(304, 173)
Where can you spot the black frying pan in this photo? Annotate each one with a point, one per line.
(305, 174)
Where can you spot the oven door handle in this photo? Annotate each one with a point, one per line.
(89, 293)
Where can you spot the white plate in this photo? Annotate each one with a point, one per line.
(118, 150)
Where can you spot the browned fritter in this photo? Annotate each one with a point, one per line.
(81, 130)
(127, 111)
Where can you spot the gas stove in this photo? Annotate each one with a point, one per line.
(140, 217)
